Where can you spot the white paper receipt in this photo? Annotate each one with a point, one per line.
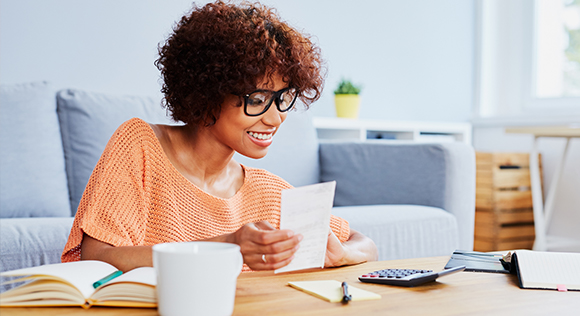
(306, 210)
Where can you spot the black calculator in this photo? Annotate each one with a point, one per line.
(406, 277)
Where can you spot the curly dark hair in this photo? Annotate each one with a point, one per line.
(223, 48)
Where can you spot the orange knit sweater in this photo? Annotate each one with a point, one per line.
(136, 197)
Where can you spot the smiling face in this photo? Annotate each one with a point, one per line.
(249, 135)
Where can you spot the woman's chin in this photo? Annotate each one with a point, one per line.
(253, 153)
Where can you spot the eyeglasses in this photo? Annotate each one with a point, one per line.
(259, 101)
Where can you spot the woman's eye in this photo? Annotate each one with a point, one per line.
(287, 97)
(256, 100)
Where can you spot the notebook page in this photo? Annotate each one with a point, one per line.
(81, 274)
(145, 275)
(549, 269)
(306, 210)
(133, 288)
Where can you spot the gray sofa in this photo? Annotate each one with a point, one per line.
(413, 200)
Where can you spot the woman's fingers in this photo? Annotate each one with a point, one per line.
(264, 234)
(273, 258)
(335, 251)
(281, 255)
(264, 225)
(278, 265)
(271, 261)
(278, 246)
(265, 247)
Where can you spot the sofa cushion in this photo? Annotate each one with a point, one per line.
(30, 242)
(87, 121)
(293, 154)
(404, 231)
(32, 169)
(376, 173)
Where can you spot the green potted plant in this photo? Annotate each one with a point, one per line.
(347, 99)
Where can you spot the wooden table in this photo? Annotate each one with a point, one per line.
(543, 212)
(465, 293)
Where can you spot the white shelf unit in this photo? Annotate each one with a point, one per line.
(341, 129)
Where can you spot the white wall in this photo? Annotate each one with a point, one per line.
(414, 58)
(105, 46)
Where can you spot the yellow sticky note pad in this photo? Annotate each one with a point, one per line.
(331, 290)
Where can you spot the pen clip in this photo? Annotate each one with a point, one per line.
(345, 296)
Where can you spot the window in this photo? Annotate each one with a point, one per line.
(554, 84)
(557, 41)
(528, 60)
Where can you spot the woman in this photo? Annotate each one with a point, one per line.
(231, 74)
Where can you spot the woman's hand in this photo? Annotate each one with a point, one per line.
(357, 249)
(335, 251)
(264, 247)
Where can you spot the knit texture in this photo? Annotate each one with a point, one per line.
(135, 197)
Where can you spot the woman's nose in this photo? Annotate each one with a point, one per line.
(273, 117)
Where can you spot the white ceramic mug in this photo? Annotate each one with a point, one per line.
(196, 278)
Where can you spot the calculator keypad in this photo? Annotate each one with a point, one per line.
(406, 277)
(394, 273)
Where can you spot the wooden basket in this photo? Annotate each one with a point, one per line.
(504, 216)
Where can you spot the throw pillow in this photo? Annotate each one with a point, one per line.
(32, 170)
(87, 122)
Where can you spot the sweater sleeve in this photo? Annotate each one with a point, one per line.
(340, 228)
(113, 208)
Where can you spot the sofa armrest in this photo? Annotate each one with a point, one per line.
(460, 190)
(438, 175)
(30, 242)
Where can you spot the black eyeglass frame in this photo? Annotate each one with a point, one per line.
(275, 98)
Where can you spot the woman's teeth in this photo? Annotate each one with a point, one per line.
(260, 136)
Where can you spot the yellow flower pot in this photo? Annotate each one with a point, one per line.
(347, 105)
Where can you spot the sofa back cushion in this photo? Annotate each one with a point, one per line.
(369, 173)
(32, 170)
(87, 121)
(294, 153)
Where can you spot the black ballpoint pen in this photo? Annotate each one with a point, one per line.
(345, 296)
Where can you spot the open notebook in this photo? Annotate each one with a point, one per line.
(71, 284)
(547, 270)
